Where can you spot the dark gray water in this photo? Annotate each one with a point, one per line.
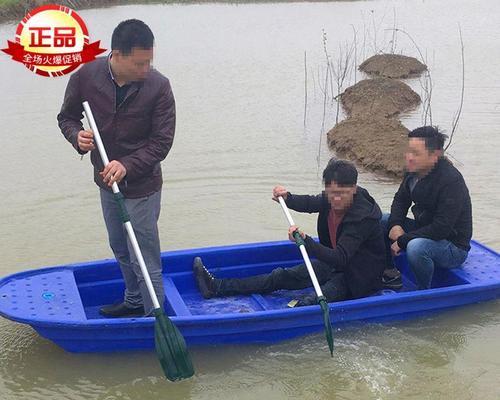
(238, 76)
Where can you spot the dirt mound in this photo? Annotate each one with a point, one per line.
(382, 97)
(372, 135)
(392, 66)
(378, 143)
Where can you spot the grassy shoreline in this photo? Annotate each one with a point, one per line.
(15, 10)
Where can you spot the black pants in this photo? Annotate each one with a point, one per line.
(332, 283)
(408, 225)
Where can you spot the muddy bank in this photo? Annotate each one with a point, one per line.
(377, 143)
(382, 97)
(393, 66)
(372, 135)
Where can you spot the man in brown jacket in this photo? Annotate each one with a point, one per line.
(134, 108)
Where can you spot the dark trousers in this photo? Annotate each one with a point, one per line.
(332, 283)
(425, 254)
(408, 225)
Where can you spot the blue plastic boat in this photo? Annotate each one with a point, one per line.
(61, 303)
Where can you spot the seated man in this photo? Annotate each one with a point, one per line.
(350, 253)
(440, 234)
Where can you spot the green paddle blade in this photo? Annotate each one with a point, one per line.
(326, 320)
(171, 349)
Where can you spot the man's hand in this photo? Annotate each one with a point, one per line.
(291, 230)
(279, 191)
(85, 140)
(395, 249)
(113, 172)
(395, 232)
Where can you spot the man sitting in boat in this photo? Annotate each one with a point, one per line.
(440, 234)
(350, 253)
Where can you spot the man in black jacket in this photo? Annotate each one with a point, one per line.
(349, 256)
(440, 234)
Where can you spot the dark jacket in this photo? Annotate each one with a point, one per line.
(442, 208)
(138, 133)
(360, 251)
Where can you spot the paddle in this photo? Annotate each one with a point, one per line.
(321, 299)
(170, 345)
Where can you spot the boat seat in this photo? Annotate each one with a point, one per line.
(49, 296)
(481, 266)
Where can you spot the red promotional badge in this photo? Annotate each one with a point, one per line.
(52, 40)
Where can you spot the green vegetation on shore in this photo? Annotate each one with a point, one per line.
(6, 2)
(15, 10)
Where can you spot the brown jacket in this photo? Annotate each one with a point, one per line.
(139, 133)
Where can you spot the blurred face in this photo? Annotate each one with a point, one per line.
(418, 158)
(340, 197)
(134, 66)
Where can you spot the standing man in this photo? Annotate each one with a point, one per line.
(350, 253)
(440, 234)
(134, 108)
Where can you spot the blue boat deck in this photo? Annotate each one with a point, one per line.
(49, 296)
(481, 267)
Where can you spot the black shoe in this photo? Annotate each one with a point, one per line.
(204, 279)
(121, 310)
(307, 300)
(391, 279)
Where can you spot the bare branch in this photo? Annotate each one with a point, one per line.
(394, 32)
(355, 33)
(426, 104)
(321, 88)
(324, 117)
(325, 97)
(459, 112)
(305, 89)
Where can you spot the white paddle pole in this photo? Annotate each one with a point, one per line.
(119, 198)
(303, 250)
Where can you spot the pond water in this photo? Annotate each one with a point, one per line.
(237, 71)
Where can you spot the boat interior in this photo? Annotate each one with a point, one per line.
(76, 292)
(184, 299)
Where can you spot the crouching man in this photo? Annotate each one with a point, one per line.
(350, 255)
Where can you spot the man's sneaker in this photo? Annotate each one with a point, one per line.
(391, 279)
(121, 310)
(204, 279)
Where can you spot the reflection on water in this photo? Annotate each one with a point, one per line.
(237, 73)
